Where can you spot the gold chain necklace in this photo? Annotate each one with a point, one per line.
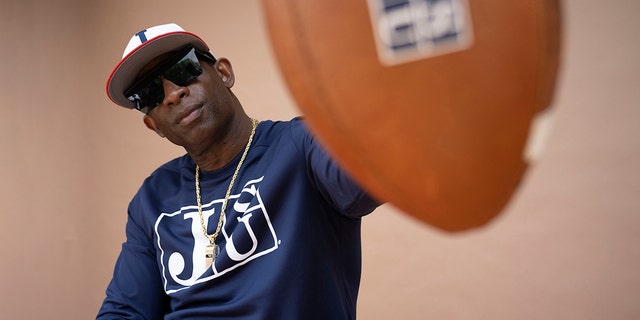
(212, 250)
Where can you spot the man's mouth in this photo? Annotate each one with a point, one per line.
(189, 115)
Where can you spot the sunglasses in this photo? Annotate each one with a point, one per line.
(181, 68)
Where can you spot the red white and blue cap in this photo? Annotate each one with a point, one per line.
(142, 48)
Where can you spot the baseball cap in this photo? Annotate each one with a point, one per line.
(142, 48)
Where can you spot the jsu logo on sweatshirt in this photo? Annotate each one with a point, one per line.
(246, 234)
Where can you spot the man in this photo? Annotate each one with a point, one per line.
(254, 222)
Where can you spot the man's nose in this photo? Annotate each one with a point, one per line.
(173, 93)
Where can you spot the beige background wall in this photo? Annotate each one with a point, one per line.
(565, 248)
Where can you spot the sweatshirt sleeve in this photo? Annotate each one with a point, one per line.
(335, 185)
(135, 291)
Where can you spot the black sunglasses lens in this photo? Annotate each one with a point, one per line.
(148, 92)
(185, 71)
(151, 95)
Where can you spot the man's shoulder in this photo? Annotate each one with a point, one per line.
(275, 129)
(170, 170)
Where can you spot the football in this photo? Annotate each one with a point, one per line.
(436, 106)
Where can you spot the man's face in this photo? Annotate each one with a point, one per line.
(195, 113)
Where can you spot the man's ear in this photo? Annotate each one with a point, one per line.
(151, 124)
(225, 71)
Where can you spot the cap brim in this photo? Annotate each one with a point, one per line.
(127, 69)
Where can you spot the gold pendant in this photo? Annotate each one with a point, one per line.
(210, 254)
